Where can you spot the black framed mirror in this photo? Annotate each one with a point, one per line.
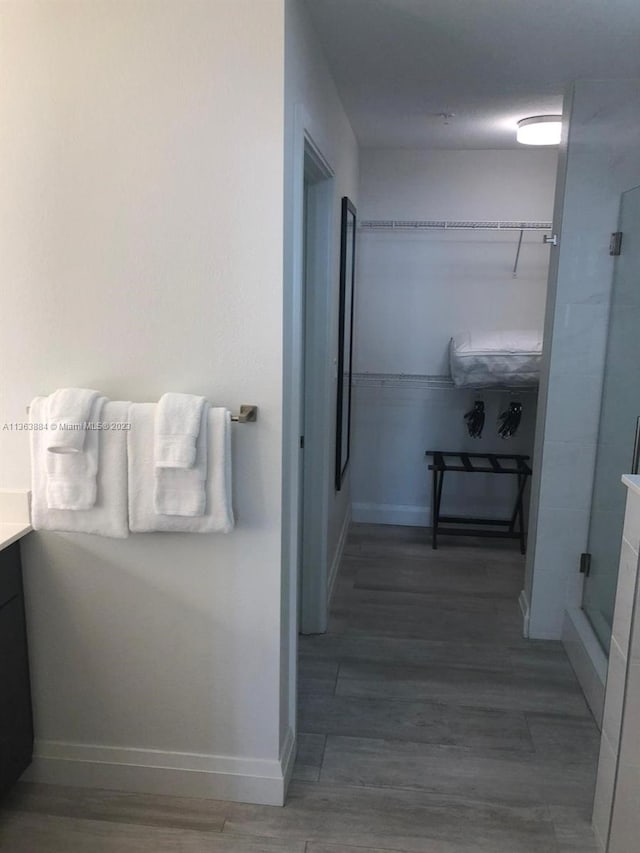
(345, 337)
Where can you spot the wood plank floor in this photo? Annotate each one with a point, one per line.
(427, 724)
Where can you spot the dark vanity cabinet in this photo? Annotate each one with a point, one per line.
(16, 724)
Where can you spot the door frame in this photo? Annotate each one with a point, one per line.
(316, 289)
(292, 412)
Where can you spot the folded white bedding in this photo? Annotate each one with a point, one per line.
(485, 359)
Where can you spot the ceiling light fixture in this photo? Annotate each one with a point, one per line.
(539, 130)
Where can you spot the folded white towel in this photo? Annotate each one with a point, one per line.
(71, 477)
(68, 409)
(181, 491)
(108, 517)
(143, 518)
(178, 420)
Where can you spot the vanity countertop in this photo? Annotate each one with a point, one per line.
(632, 481)
(10, 532)
(14, 517)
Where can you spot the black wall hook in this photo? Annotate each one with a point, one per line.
(509, 421)
(475, 419)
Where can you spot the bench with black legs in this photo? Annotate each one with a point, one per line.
(515, 465)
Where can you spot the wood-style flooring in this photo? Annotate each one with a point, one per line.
(427, 724)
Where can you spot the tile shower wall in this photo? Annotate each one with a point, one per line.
(615, 812)
(599, 159)
(413, 292)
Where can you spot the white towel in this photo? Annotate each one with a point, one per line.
(181, 491)
(68, 409)
(143, 518)
(109, 515)
(71, 477)
(178, 420)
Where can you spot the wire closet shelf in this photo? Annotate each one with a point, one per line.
(424, 225)
(452, 225)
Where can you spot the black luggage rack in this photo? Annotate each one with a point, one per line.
(478, 463)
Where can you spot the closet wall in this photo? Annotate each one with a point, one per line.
(414, 291)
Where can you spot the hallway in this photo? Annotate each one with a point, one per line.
(427, 725)
(425, 715)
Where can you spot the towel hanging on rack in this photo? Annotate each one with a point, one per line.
(108, 516)
(178, 421)
(182, 490)
(112, 510)
(143, 518)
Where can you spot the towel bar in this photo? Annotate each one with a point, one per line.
(247, 415)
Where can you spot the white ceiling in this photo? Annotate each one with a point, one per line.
(399, 63)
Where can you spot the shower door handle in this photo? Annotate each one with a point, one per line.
(635, 462)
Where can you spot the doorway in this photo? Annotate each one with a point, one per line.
(314, 444)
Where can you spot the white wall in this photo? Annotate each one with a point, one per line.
(141, 210)
(312, 107)
(416, 290)
(599, 159)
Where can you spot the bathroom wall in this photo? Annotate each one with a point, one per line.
(616, 820)
(416, 290)
(312, 108)
(141, 203)
(599, 159)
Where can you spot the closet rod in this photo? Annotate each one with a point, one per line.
(453, 224)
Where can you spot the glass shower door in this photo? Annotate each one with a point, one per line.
(618, 422)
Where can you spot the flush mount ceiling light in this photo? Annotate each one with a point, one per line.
(539, 130)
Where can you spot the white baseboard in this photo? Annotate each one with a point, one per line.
(587, 658)
(219, 777)
(337, 557)
(410, 516)
(523, 601)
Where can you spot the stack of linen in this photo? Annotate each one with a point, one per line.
(109, 467)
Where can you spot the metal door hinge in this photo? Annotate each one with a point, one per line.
(585, 564)
(301, 442)
(615, 244)
(552, 239)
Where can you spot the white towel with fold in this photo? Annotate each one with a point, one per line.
(178, 421)
(108, 516)
(72, 476)
(181, 491)
(143, 517)
(68, 409)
